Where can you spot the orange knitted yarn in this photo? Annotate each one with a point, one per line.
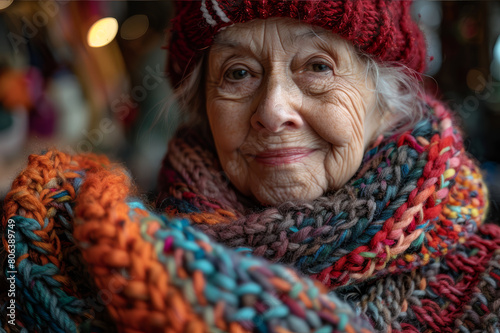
(32, 196)
(40, 192)
(111, 242)
(151, 273)
(145, 301)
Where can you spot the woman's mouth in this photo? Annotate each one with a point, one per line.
(282, 156)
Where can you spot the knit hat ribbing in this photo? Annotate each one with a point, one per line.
(382, 28)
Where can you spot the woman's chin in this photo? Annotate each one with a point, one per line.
(275, 195)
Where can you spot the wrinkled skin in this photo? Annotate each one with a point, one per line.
(290, 108)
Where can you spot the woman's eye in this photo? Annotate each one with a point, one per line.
(318, 67)
(237, 74)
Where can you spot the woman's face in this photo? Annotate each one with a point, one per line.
(290, 108)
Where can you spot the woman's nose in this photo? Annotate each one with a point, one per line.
(277, 109)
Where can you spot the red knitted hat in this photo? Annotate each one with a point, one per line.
(382, 28)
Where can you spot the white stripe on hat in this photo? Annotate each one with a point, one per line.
(219, 12)
(206, 14)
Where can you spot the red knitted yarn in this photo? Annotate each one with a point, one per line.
(382, 28)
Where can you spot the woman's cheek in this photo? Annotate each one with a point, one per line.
(342, 117)
(227, 124)
(229, 131)
(331, 123)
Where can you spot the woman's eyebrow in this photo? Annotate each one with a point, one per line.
(316, 36)
(227, 43)
(310, 34)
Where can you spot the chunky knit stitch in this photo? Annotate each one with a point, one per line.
(457, 293)
(403, 243)
(400, 240)
(87, 249)
(381, 28)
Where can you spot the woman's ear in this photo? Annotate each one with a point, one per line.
(387, 119)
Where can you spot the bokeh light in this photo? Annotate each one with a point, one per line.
(102, 32)
(5, 3)
(496, 50)
(134, 27)
(495, 64)
(476, 80)
(430, 13)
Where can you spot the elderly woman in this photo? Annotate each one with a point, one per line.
(308, 143)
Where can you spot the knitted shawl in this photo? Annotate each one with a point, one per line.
(400, 247)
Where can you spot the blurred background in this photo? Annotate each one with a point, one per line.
(88, 76)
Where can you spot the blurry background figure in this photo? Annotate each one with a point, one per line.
(88, 76)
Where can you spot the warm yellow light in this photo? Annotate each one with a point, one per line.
(102, 32)
(5, 3)
(476, 80)
(134, 27)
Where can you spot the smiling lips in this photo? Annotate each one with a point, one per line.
(282, 156)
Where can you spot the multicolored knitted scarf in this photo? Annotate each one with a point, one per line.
(401, 243)
(400, 239)
(81, 253)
